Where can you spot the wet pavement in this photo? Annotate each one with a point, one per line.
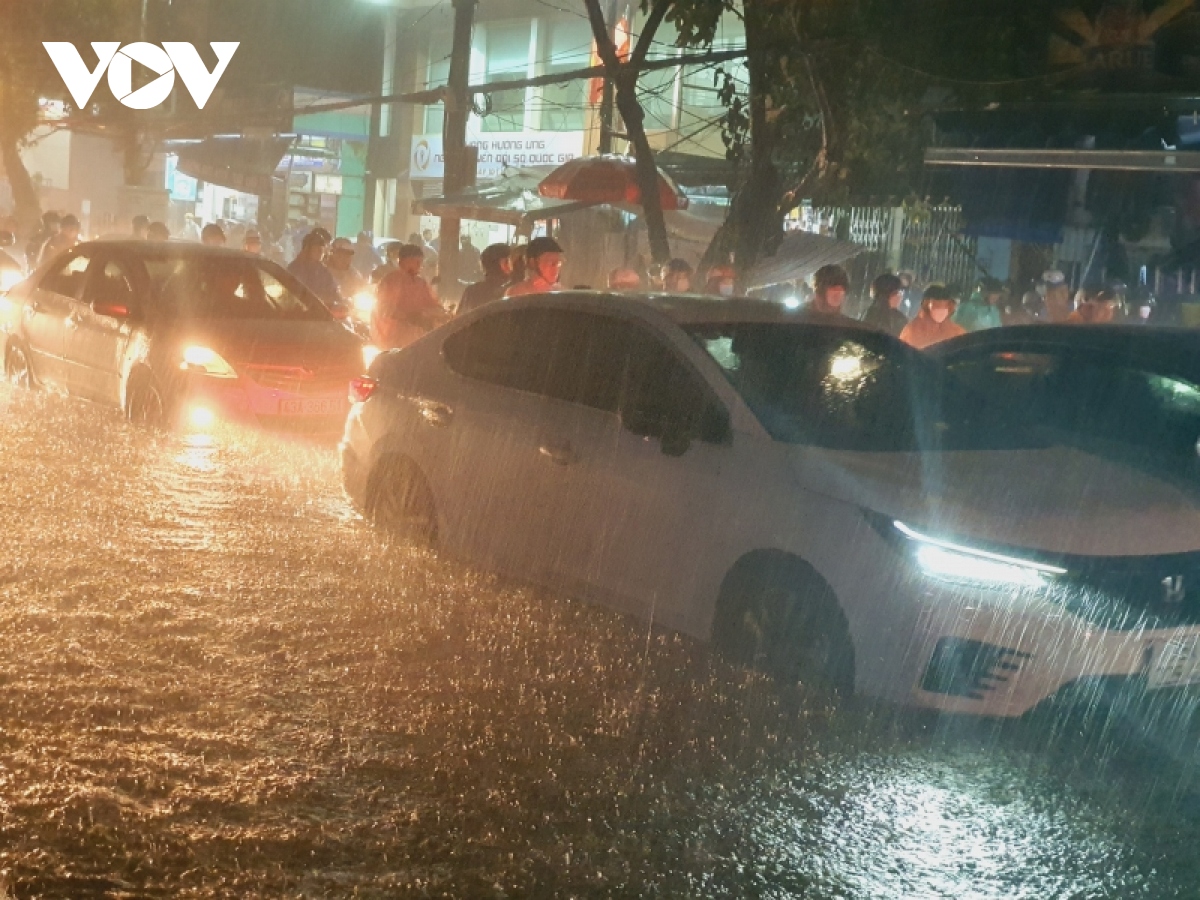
(218, 681)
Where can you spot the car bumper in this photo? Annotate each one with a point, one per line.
(206, 401)
(996, 660)
(354, 452)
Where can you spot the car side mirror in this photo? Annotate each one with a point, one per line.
(114, 309)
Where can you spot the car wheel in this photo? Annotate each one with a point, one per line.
(784, 620)
(144, 403)
(399, 501)
(16, 366)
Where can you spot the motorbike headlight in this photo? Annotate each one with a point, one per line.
(9, 279)
(951, 561)
(364, 302)
(197, 358)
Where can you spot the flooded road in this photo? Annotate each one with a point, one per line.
(218, 682)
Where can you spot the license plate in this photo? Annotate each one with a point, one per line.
(1176, 662)
(310, 407)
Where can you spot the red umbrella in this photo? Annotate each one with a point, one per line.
(606, 179)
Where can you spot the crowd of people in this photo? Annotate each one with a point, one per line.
(404, 304)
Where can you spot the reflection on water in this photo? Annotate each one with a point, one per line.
(199, 452)
(225, 572)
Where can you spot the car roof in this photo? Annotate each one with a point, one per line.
(173, 247)
(1115, 338)
(687, 309)
(1159, 348)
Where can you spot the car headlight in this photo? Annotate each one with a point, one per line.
(9, 279)
(954, 562)
(369, 352)
(202, 359)
(363, 302)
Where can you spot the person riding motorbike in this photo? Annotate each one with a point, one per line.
(405, 308)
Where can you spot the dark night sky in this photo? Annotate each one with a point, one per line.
(330, 44)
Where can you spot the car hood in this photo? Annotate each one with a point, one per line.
(277, 343)
(1055, 500)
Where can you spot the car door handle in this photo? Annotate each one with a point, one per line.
(436, 414)
(559, 454)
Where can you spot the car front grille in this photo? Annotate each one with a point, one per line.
(1165, 589)
(300, 379)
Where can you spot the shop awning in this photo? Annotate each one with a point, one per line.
(1159, 161)
(511, 201)
(800, 254)
(239, 163)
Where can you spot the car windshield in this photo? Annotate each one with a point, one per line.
(211, 286)
(851, 389)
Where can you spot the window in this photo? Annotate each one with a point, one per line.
(591, 360)
(438, 74)
(1102, 404)
(664, 395)
(577, 357)
(824, 386)
(507, 58)
(657, 88)
(701, 83)
(112, 285)
(68, 279)
(564, 106)
(230, 288)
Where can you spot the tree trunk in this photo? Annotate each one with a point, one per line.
(755, 221)
(28, 209)
(647, 171)
(624, 75)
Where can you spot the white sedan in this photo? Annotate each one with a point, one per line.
(795, 493)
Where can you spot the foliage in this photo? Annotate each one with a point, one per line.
(26, 73)
(845, 89)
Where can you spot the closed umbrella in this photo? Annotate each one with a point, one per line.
(606, 179)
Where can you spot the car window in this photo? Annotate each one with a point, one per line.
(111, 282)
(568, 355)
(821, 386)
(1088, 398)
(232, 287)
(662, 391)
(68, 279)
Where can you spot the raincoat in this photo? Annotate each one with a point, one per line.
(977, 314)
(405, 310)
(922, 331)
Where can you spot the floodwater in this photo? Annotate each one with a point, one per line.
(218, 681)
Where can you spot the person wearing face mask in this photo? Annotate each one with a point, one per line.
(933, 323)
(831, 284)
(1093, 307)
(720, 281)
(1142, 306)
(543, 263)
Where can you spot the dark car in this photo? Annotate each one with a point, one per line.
(175, 333)
(1119, 391)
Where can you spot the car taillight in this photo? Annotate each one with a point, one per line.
(361, 389)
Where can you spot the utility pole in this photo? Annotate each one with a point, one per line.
(606, 99)
(455, 177)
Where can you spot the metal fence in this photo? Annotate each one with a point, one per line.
(926, 242)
